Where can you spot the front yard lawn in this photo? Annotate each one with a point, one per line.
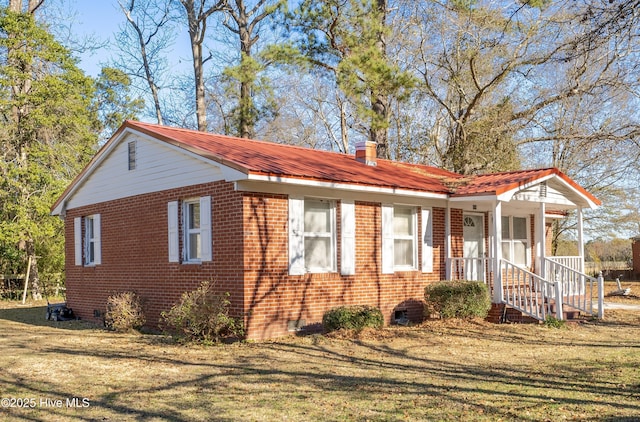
(440, 370)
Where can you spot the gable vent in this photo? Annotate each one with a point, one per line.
(543, 190)
(132, 155)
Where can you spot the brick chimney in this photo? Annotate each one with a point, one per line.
(366, 153)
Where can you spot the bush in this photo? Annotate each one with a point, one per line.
(457, 299)
(203, 316)
(352, 318)
(553, 322)
(124, 312)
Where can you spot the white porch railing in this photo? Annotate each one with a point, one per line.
(576, 263)
(535, 295)
(529, 293)
(475, 269)
(577, 288)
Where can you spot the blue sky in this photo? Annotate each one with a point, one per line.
(100, 18)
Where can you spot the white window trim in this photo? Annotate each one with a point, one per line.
(186, 232)
(297, 237)
(414, 239)
(331, 235)
(177, 229)
(82, 241)
(389, 237)
(510, 241)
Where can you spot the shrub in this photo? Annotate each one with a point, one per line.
(352, 318)
(124, 312)
(457, 299)
(553, 322)
(202, 316)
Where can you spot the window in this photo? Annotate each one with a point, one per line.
(312, 236)
(515, 240)
(319, 224)
(132, 155)
(87, 240)
(404, 237)
(192, 233)
(194, 230)
(399, 238)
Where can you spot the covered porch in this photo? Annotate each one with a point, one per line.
(505, 242)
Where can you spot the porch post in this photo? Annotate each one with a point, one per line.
(498, 294)
(447, 242)
(541, 242)
(580, 240)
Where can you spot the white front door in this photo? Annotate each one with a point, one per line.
(473, 234)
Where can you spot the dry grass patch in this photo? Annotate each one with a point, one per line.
(440, 370)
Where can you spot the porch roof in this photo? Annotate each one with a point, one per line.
(504, 186)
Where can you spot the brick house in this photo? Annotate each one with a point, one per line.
(291, 232)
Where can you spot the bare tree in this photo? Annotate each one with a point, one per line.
(197, 13)
(146, 21)
(244, 22)
(22, 6)
(348, 39)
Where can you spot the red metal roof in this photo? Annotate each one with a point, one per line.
(272, 159)
(498, 183)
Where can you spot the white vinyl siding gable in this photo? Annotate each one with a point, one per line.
(158, 167)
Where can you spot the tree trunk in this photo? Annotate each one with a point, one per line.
(31, 6)
(197, 17)
(145, 60)
(198, 74)
(34, 277)
(379, 100)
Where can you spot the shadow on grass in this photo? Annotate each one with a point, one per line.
(36, 315)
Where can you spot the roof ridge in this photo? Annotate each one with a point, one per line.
(134, 123)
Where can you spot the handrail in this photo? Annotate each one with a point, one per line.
(527, 292)
(577, 287)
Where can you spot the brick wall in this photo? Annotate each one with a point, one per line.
(135, 252)
(250, 260)
(274, 298)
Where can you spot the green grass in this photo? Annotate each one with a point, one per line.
(440, 370)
